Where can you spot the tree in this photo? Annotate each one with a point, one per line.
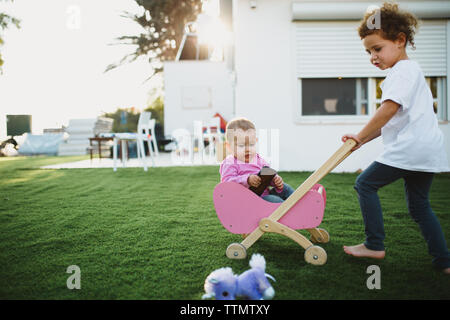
(125, 119)
(164, 22)
(5, 22)
(157, 110)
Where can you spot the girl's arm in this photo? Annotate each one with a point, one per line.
(355, 137)
(375, 135)
(385, 113)
(372, 129)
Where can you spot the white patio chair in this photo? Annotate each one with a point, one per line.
(146, 128)
(212, 134)
(144, 125)
(198, 136)
(183, 141)
(153, 136)
(122, 138)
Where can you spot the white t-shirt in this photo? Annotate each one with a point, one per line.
(412, 139)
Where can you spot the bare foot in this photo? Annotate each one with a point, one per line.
(361, 251)
(446, 271)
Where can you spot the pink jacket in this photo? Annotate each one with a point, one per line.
(237, 171)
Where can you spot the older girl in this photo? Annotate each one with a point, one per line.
(413, 143)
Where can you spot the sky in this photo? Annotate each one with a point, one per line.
(54, 64)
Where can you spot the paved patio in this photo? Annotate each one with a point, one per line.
(164, 159)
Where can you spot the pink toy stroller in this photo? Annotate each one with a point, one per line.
(241, 211)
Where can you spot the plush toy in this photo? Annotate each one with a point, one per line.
(222, 284)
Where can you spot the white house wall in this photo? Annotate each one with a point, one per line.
(266, 91)
(195, 90)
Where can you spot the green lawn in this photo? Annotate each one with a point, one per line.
(155, 235)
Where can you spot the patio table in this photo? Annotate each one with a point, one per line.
(126, 136)
(99, 141)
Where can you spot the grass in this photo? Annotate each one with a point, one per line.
(155, 235)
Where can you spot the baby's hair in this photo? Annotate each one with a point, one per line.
(238, 123)
(393, 21)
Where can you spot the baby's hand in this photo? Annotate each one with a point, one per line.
(278, 182)
(253, 180)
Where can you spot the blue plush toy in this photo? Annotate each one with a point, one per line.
(222, 284)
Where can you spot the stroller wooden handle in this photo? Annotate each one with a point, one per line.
(343, 152)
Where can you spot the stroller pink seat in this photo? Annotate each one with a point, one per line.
(240, 210)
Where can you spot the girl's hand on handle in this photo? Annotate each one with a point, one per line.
(355, 137)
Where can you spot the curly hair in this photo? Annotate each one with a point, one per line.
(393, 21)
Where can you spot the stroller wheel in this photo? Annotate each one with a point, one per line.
(323, 238)
(316, 255)
(236, 251)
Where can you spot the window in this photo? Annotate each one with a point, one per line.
(356, 98)
(378, 93)
(437, 86)
(334, 97)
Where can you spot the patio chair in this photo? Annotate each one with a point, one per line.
(147, 125)
(198, 136)
(212, 134)
(183, 141)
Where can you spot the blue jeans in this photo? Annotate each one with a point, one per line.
(417, 186)
(274, 196)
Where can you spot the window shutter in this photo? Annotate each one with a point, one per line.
(333, 49)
